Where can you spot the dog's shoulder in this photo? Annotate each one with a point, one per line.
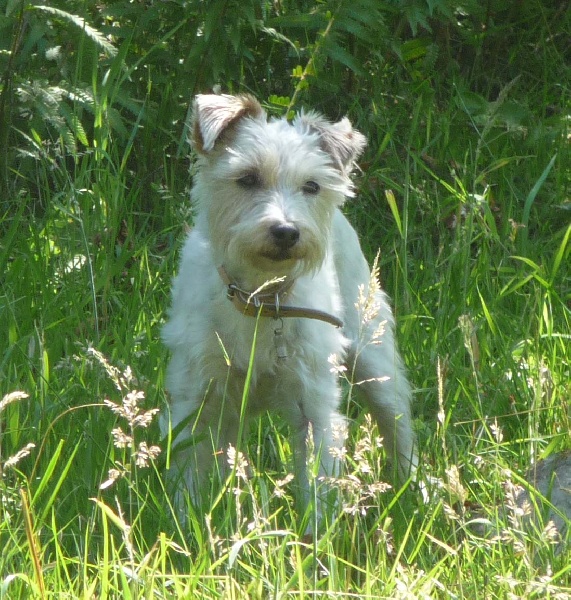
(196, 256)
(197, 281)
(347, 254)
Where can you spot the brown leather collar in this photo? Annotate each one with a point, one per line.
(267, 302)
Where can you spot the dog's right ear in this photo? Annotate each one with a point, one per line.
(213, 114)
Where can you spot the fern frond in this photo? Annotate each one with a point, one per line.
(280, 37)
(96, 36)
(74, 124)
(337, 53)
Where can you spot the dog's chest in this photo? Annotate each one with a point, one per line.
(285, 365)
(283, 347)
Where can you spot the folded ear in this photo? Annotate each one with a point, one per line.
(213, 114)
(343, 143)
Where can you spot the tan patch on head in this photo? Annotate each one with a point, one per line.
(343, 143)
(213, 115)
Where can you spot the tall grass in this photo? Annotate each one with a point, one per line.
(471, 214)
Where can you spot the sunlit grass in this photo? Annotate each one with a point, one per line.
(483, 323)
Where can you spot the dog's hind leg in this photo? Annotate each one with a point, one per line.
(299, 433)
(379, 373)
(373, 358)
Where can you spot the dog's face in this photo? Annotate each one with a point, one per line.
(267, 190)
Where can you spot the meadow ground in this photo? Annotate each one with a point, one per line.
(467, 200)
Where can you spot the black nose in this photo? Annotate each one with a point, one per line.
(285, 236)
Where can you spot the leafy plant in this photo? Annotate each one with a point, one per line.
(464, 187)
(38, 114)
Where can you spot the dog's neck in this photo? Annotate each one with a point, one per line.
(267, 301)
(271, 291)
(253, 280)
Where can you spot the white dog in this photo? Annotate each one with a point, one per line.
(267, 293)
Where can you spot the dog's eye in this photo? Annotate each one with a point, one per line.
(311, 188)
(249, 180)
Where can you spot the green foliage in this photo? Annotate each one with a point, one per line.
(465, 189)
(69, 67)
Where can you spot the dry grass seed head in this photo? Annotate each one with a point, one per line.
(267, 284)
(458, 493)
(339, 454)
(279, 490)
(497, 432)
(16, 458)
(145, 454)
(121, 439)
(112, 476)
(550, 534)
(12, 397)
(368, 304)
(113, 372)
(12, 461)
(238, 462)
(130, 409)
(337, 365)
(516, 511)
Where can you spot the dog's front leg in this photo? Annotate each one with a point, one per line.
(328, 438)
(326, 468)
(299, 430)
(200, 452)
(205, 421)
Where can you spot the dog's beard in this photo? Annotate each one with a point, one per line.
(253, 258)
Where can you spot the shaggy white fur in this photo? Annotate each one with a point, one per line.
(267, 196)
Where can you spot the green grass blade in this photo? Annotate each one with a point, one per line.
(79, 22)
(561, 255)
(57, 487)
(531, 198)
(391, 200)
(48, 471)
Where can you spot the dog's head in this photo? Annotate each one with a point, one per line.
(266, 190)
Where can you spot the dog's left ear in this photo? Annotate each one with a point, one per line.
(343, 143)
